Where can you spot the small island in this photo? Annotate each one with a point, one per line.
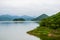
(49, 28)
(19, 19)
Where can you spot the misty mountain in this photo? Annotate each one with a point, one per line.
(27, 18)
(10, 18)
(40, 17)
(7, 17)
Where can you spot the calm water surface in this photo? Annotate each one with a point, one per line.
(17, 30)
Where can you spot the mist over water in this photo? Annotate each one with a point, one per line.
(17, 31)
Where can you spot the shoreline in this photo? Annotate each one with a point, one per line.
(45, 34)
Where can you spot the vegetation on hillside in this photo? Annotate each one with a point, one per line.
(49, 28)
(51, 22)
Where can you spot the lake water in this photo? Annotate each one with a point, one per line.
(17, 30)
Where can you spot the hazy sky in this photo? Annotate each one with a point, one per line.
(29, 7)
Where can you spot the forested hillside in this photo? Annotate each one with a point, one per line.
(49, 28)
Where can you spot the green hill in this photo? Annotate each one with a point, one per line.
(51, 22)
(49, 28)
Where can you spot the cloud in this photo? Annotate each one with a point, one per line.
(29, 7)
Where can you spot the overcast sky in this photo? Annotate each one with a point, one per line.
(29, 7)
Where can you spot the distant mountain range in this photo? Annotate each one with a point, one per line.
(39, 18)
(10, 18)
(25, 17)
(5, 18)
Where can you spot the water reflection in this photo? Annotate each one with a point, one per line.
(16, 31)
